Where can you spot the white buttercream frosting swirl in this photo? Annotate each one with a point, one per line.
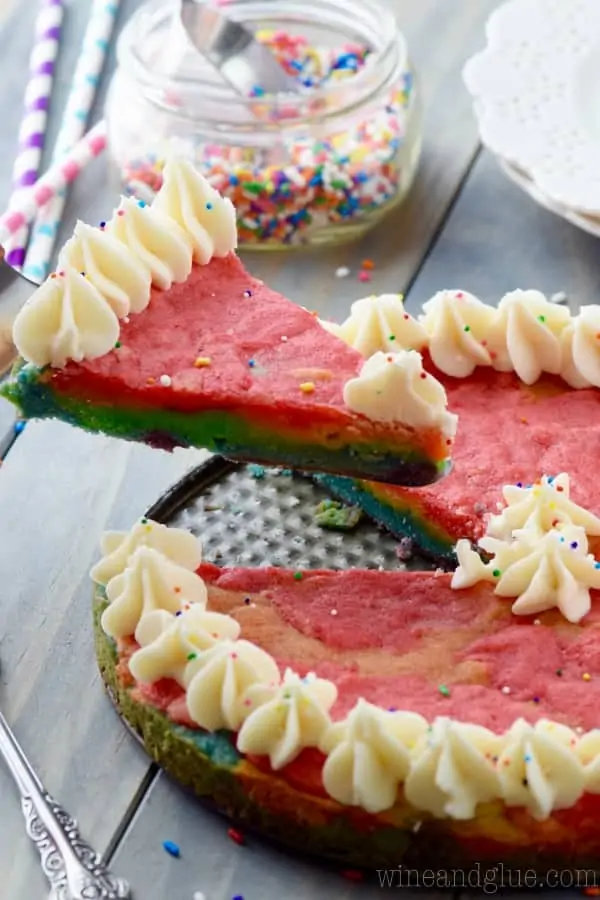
(207, 217)
(219, 680)
(121, 278)
(155, 240)
(149, 582)
(541, 572)
(368, 756)
(380, 323)
(296, 716)
(458, 327)
(169, 643)
(527, 335)
(539, 507)
(588, 754)
(177, 544)
(452, 769)
(393, 387)
(66, 318)
(580, 348)
(538, 768)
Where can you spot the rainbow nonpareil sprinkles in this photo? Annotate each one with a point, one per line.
(324, 176)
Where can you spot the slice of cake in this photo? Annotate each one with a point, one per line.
(152, 330)
(378, 718)
(524, 382)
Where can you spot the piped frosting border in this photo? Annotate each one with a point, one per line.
(527, 334)
(444, 768)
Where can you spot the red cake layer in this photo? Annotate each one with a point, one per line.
(261, 348)
(508, 433)
(396, 638)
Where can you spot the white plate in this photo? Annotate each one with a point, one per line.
(590, 224)
(536, 91)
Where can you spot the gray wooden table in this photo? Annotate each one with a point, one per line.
(463, 226)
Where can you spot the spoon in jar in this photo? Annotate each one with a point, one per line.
(245, 63)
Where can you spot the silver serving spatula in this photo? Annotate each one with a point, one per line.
(15, 289)
(233, 50)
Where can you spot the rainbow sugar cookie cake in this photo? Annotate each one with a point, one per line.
(152, 330)
(435, 720)
(524, 382)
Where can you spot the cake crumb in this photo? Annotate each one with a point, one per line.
(342, 272)
(336, 516)
(257, 471)
(405, 549)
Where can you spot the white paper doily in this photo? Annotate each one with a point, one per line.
(536, 88)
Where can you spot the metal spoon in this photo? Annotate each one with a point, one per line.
(233, 50)
(73, 869)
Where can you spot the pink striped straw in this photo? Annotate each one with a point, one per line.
(54, 180)
(37, 101)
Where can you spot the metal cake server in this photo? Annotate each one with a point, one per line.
(73, 869)
(233, 50)
(15, 289)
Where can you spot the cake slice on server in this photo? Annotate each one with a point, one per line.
(152, 330)
(524, 379)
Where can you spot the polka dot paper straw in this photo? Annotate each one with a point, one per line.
(85, 80)
(37, 100)
(51, 183)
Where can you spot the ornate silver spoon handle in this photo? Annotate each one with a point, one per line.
(73, 869)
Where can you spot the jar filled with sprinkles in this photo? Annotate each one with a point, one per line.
(319, 166)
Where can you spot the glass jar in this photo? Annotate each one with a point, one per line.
(321, 166)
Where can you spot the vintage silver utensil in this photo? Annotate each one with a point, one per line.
(73, 869)
(233, 50)
(15, 289)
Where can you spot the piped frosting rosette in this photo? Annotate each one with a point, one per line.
(537, 551)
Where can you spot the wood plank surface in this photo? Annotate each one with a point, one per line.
(59, 490)
(497, 239)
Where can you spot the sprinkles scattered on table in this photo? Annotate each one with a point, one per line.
(312, 182)
(172, 849)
